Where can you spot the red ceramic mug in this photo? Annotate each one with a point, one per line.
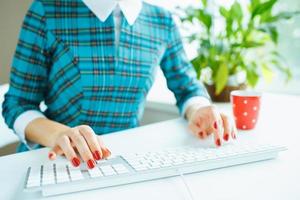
(246, 106)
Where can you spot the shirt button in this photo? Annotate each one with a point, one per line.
(75, 61)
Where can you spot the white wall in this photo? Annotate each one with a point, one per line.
(11, 16)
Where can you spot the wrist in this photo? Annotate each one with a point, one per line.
(194, 104)
(191, 110)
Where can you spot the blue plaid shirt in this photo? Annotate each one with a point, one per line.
(67, 57)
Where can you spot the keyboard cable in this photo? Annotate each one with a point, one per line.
(187, 188)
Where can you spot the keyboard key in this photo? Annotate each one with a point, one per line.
(62, 174)
(49, 167)
(120, 169)
(166, 165)
(95, 172)
(140, 168)
(48, 175)
(49, 181)
(75, 174)
(107, 170)
(34, 178)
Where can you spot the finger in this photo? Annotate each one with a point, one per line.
(56, 150)
(82, 148)
(198, 122)
(215, 130)
(198, 132)
(194, 128)
(201, 131)
(65, 145)
(106, 152)
(227, 127)
(203, 134)
(234, 131)
(91, 139)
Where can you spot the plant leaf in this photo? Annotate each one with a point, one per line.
(236, 11)
(196, 62)
(263, 7)
(267, 73)
(205, 18)
(221, 78)
(224, 12)
(204, 2)
(251, 44)
(254, 4)
(283, 69)
(281, 16)
(252, 75)
(272, 32)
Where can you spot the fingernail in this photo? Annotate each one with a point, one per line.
(75, 162)
(226, 137)
(108, 151)
(50, 155)
(90, 164)
(218, 142)
(234, 137)
(201, 134)
(215, 125)
(97, 155)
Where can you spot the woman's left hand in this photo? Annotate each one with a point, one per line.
(204, 121)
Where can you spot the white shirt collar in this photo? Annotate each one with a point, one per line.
(103, 8)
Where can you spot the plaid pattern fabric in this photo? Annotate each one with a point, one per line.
(67, 57)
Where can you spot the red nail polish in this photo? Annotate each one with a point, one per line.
(90, 164)
(226, 137)
(75, 162)
(50, 155)
(215, 125)
(97, 155)
(108, 151)
(201, 134)
(218, 142)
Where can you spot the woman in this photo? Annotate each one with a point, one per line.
(92, 62)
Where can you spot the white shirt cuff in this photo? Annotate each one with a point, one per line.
(197, 100)
(21, 123)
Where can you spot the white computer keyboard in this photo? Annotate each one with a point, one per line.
(60, 178)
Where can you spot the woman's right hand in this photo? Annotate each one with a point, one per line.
(80, 140)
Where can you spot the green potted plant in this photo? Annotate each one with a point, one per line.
(242, 51)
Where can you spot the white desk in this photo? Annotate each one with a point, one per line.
(275, 179)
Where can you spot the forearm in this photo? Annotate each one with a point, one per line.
(44, 131)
